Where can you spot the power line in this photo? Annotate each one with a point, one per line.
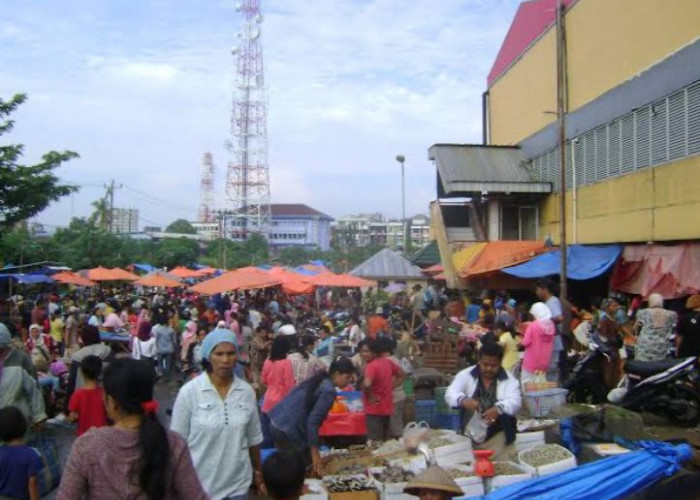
(159, 201)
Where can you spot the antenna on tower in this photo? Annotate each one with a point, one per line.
(247, 176)
(206, 187)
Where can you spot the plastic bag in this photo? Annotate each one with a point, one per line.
(414, 434)
(539, 383)
(477, 429)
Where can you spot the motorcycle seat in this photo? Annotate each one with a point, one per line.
(648, 368)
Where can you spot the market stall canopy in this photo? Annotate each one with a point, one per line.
(27, 279)
(583, 262)
(670, 270)
(434, 269)
(298, 288)
(245, 278)
(123, 275)
(339, 280)
(147, 268)
(183, 272)
(427, 256)
(388, 265)
(159, 278)
(462, 257)
(100, 273)
(496, 255)
(68, 278)
(206, 271)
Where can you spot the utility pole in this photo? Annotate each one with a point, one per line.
(110, 212)
(561, 118)
(402, 159)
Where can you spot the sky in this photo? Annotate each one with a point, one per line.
(142, 88)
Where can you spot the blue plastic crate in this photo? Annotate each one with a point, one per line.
(425, 411)
(449, 421)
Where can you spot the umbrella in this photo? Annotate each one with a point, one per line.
(437, 268)
(245, 278)
(183, 272)
(298, 288)
(395, 288)
(339, 280)
(68, 278)
(205, 271)
(158, 278)
(611, 478)
(122, 275)
(100, 274)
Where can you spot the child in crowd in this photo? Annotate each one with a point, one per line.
(19, 464)
(510, 344)
(283, 473)
(86, 405)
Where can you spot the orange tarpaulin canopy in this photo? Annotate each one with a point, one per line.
(158, 278)
(183, 272)
(498, 254)
(100, 274)
(245, 278)
(206, 271)
(434, 269)
(68, 278)
(339, 280)
(292, 283)
(121, 274)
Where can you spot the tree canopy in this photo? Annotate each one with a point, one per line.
(180, 226)
(26, 190)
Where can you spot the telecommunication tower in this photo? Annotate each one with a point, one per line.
(247, 177)
(206, 189)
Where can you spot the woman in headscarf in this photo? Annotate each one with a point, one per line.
(655, 325)
(217, 414)
(39, 347)
(538, 342)
(188, 337)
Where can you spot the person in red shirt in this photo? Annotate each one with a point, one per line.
(377, 323)
(381, 376)
(86, 404)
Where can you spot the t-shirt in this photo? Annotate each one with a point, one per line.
(17, 465)
(510, 351)
(165, 339)
(381, 371)
(89, 406)
(57, 330)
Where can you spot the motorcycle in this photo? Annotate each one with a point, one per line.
(667, 388)
(586, 383)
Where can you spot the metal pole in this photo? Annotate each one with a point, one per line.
(561, 116)
(402, 159)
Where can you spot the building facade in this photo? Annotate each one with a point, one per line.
(124, 220)
(356, 231)
(633, 119)
(298, 225)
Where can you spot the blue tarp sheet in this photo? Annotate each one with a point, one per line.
(28, 279)
(583, 262)
(145, 267)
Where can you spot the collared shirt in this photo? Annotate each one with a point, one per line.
(219, 433)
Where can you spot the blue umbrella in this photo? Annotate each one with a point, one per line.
(607, 479)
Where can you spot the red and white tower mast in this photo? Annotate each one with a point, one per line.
(206, 190)
(248, 178)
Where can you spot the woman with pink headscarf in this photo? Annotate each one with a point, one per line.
(188, 336)
(538, 342)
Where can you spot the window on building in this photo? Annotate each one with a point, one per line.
(519, 222)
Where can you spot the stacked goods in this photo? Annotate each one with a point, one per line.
(441, 355)
(528, 440)
(344, 484)
(546, 459)
(507, 473)
(472, 485)
(393, 480)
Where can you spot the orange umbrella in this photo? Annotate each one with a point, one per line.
(298, 288)
(245, 278)
(339, 280)
(435, 269)
(206, 271)
(100, 274)
(158, 278)
(183, 272)
(68, 278)
(121, 274)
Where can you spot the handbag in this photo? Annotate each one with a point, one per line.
(49, 476)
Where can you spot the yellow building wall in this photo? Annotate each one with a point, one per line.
(608, 43)
(655, 204)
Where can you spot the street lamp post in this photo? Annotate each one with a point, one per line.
(402, 159)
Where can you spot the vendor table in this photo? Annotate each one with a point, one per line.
(115, 340)
(344, 424)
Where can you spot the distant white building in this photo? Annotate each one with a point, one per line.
(209, 231)
(298, 225)
(124, 220)
(354, 231)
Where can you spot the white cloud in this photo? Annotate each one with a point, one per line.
(149, 71)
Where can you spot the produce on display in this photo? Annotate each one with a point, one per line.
(394, 475)
(544, 455)
(341, 484)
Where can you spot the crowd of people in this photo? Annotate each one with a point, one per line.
(260, 369)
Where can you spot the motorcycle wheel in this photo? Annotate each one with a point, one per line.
(691, 417)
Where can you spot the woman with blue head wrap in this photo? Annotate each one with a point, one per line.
(217, 414)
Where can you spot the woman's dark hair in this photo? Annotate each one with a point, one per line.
(306, 341)
(377, 347)
(280, 348)
(90, 335)
(284, 473)
(504, 326)
(362, 343)
(340, 364)
(130, 383)
(13, 425)
(491, 349)
(91, 367)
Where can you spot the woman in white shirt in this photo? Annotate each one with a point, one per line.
(144, 345)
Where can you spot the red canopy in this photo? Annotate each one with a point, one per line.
(183, 272)
(68, 278)
(245, 278)
(158, 278)
(339, 280)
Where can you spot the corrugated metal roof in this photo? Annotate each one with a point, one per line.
(295, 209)
(465, 168)
(427, 256)
(386, 265)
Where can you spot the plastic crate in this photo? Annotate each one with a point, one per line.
(425, 411)
(449, 421)
(540, 403)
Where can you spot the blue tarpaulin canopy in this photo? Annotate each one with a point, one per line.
(583, 262)
(28, 279)
(144, 267)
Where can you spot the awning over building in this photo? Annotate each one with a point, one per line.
(670, 270)
(465, 169)
(583, 262)
(495, 255)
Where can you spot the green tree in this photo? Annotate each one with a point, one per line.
(173, 252)
(180, 226)
(26, 190)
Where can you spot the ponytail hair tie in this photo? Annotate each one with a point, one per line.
(150, 407)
